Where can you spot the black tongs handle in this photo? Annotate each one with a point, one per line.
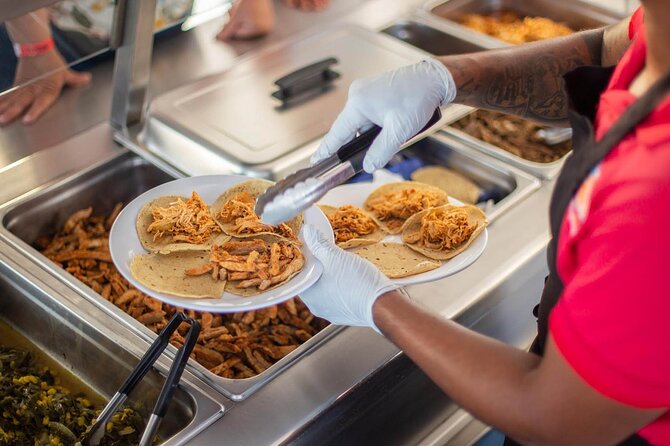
(152, 354)
(180, 360)
(354, 151)
(171, 382)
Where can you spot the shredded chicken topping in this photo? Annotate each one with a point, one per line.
(443, 229)
(262, 267)
(397, 206)
(349, 222)
(239, 211)
(186, 221)
(512, 28)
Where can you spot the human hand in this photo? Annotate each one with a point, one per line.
(40, 81)
(249, 19)
(401, 102)
(348, 287)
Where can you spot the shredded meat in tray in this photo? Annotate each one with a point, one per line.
(239, 345)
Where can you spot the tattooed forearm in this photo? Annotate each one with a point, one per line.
(525, 80)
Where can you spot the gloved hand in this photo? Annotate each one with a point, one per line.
(349, 286)
(400, 101)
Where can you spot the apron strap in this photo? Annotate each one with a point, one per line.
(579, 164)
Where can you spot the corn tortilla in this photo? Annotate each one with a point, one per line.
(254, 188)
(475, 217)
(166, 274)
(450, 181)
(396, 260)
(167, 244)
(361, 240)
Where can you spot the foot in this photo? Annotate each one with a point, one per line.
(249, 19)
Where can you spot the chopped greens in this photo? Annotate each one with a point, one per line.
(36, 411)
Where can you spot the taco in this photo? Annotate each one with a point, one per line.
(352, 227)
(450, 181)
(171, 223)
(234, 212)
(396, 260)
(444, 232)
(166, 274)
(392, 204)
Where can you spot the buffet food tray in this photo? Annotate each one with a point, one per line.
(42, 211)
(540, 170)
(578, 15)
(440, 39)
(61, 334)
(125, 177)
(435, 38)
(501, 186)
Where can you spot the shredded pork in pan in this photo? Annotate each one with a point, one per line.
(349, 222)
(512, 28)
(237, 346)
(186, 221)
(239, 210)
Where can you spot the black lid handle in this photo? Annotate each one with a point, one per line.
(307, 80)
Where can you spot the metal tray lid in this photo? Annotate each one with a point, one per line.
(238, 114)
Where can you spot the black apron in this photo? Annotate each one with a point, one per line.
(584, 86)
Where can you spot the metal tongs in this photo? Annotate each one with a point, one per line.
(298, 191)
(97, 431)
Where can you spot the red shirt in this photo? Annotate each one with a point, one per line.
(612, 323)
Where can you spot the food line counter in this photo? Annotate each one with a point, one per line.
(349, 385)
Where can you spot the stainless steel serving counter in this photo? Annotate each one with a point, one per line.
(355, 388)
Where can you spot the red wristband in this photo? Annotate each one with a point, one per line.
(33, 49)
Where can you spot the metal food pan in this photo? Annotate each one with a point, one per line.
(120, 180)
(541, 170)
(96, 362)
(431, 39)
(576, 14)
(502, 185)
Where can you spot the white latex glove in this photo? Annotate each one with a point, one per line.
(401, 102)
(348, 287)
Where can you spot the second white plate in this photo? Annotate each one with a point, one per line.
(355, 194)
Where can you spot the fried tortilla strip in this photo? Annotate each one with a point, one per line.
(76, 218)
(79, 254)
(199, 270)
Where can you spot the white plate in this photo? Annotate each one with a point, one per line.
(355, 194)
(124, 244)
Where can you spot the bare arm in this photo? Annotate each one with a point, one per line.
(39, 80)
(526, 80)
(31, 27)
(534, 400)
